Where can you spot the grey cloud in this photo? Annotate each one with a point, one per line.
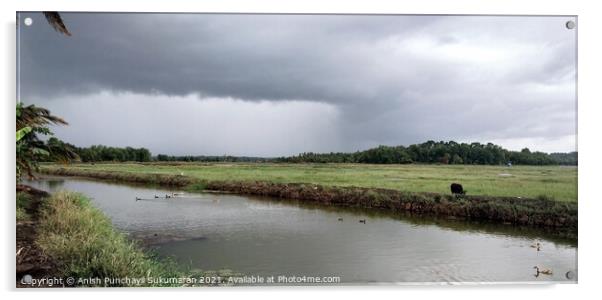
(183, 125)
(394, 79)
(244, 56)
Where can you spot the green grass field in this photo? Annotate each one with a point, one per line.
(557, 182)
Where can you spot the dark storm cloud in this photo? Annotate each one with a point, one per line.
(394, 79)
(243, 56)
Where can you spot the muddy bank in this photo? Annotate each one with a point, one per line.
(30, 259)
(535, 212)
(543, 213)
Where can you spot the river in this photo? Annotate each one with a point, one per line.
(268, 237)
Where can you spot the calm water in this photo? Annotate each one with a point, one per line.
(256, 236)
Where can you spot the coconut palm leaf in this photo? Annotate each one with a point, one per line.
(34, 116)
(55, 20)
(32, 120)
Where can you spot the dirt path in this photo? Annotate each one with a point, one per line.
(29, 257)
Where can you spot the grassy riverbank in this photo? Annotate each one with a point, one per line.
(554, 182)
(541, 211)
(85, 245)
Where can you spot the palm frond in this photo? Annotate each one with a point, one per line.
(55, 20)
(36, 117)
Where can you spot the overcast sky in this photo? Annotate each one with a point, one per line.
(271, 85)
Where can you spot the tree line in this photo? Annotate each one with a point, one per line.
(211, 158)
(438, 152)
(98, 153)
(429, 152)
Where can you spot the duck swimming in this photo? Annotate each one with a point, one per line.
(542, 271)
(536, 245)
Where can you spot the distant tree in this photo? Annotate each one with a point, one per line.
(457, 160)
(445, 158)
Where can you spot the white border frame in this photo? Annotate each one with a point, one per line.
(588, 110)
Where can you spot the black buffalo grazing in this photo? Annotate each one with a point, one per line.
(457, 189)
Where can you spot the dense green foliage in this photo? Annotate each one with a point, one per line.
(99, 153)
(439, 152)
(565, 158)
(429, 152)
(104, 153)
